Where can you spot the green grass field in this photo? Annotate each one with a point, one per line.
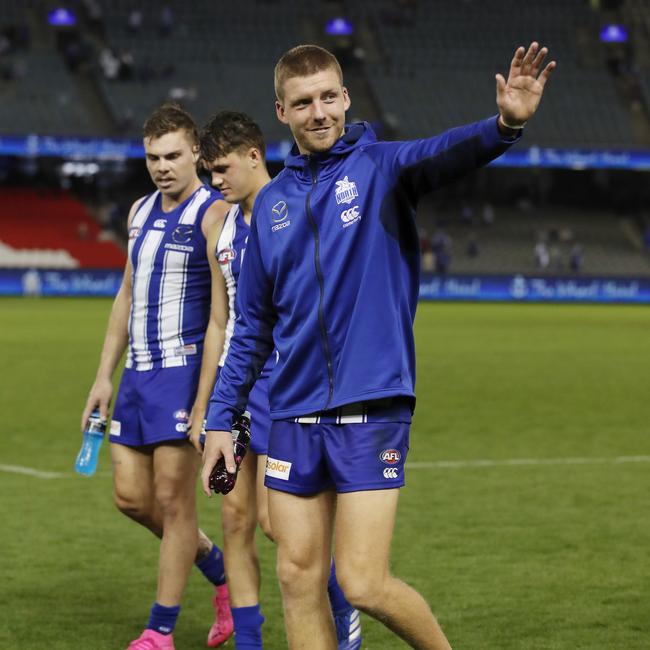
(547, 554)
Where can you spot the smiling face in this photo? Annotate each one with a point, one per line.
(171, 162)
(234, 174)
(314, 108)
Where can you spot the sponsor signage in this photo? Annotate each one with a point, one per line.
(530, 288)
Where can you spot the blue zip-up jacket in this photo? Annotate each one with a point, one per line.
(331, 274)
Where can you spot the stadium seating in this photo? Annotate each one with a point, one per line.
(53, 231)
(507, 245)
(438, 64)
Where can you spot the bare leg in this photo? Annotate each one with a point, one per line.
(175, 468)
(239, 520)
(302, 526)
(133, 488)
(364, 529)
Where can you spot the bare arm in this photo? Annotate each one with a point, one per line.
(115, 342)
(215, 333)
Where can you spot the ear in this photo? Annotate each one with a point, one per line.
(254, 157)
(196, 153)
(346, 99)
(279, 111)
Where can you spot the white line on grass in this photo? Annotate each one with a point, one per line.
(513, 462)
(440, 464)
(30, 471)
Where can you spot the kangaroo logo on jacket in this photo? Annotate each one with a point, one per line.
(346, 191)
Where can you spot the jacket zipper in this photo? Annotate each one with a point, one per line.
(321, 282)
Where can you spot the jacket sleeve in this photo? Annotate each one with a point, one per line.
(251, 342)
(420, 166)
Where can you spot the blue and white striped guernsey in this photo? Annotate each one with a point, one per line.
(171, 282)
(230, 252)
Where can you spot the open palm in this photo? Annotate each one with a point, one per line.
(519, 96)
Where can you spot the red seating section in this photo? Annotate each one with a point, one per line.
(52, 221)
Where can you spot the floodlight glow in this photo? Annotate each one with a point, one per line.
(61, 17)
(339, 26)
(613, 33)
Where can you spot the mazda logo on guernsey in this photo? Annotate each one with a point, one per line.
(390, 456)
(280, 211)
(226, 255)
(182, 234)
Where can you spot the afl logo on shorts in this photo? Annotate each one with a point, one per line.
(390, 456)
(226, 255)
(181, 415)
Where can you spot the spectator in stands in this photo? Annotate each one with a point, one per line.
(487, 214)
(542, 258)
(166, 21)
(472, 246)
(466, 213)
(426, 251)
(441, 245)
(576, 257)
(134, 21)
(109, 63)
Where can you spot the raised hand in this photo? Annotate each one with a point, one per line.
(519, 96)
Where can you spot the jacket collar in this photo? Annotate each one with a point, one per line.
(354, 136)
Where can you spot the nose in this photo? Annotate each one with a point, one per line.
(216, 179)
(317, 111)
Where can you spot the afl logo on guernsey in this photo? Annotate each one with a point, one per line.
(182, 234)
(134, 233)
(226, 255)
(390, 456)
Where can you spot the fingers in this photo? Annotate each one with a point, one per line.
(538, 60)
(195, 439)
(546, 73)
(86, 414)
(209, 461)
(501, 85)
(518, 57)
(529, 57)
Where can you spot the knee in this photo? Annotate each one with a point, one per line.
(133, 505)
(173, 500)
(363, 589)
(236, 519)
(299, 575)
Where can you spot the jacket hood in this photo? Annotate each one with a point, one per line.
(354, 136)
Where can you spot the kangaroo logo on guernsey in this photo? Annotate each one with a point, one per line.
(346, 191)
(278, 468)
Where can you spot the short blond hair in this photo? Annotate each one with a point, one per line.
(303, 61)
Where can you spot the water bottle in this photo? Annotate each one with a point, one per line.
(220, 479)
(93, 436)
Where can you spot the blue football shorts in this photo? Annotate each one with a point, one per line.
(311, 458)
(153, 406)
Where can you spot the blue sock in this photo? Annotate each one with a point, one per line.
(248, 627)
(337, 598)
(211, 566)
(163, 619)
